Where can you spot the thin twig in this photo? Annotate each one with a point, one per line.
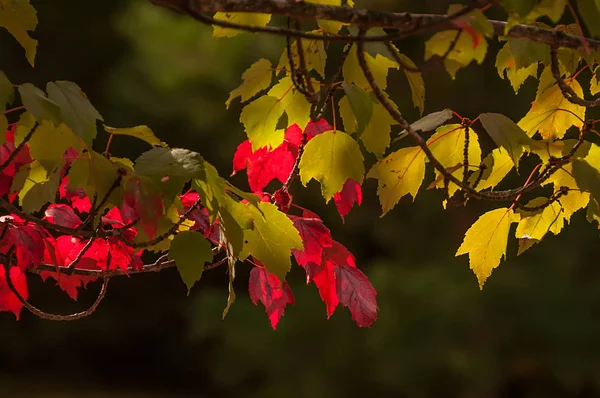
(567, 90)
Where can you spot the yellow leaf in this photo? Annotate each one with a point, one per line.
(400, 173)
(447, 146)
(551, 114)
(505, 63)
(595, 82)
(255, 79)
(498, 164)
(297, 107)
(144, 133)
(534, 225)
(241, 18)
(461, 55)
(416, 83)
(315, 56)
(485, 242)
(376, 135)
(18, 17)
(575, 199)
(331, 158)
(379, 66)
(330, 26)
(260, 119)
(350, 124)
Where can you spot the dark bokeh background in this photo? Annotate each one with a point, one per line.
(532, 332)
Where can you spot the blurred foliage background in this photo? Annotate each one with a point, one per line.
(532, 332)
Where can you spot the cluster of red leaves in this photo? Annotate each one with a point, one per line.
(327, 263)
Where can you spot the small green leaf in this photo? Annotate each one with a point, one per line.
(506, 134)
(361, 104)
(191, 251)
(19, 17)
(176, 162)
(507, 69)
(428, 123)
(255, 79)
(144, 133)
(260, 119)
(331, 158)
(211, 188)
(76, 110)
(526, 52)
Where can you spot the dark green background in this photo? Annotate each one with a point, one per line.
(533, 331)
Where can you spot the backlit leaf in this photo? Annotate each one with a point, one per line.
(268, 289)
(144, 133)
(506, 134)
(331, 158)
(330, 26)
(361, 105)
(415, 82)
(533, 226)
(295, 104)
(315, 56)
(260, 119)
(497, 165)
(485, 242)
(36, 102)
(398, 174)
(463, 53)
(507, 68)
(356, 292)
(255, 79)
(191, 251)
(379, 66)
(240, 18)
(590, 12)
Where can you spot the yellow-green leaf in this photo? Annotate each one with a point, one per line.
(144, 133)
(315, 56)
(595, 82)
(485, 242)
(331, 158)
(506, 134)
(376, 135)
(505, 63)
(297, 107)
(497, 165)
(398, 174)
(191, 251)
(416, 83)
(347, 115)
(260, 119)
(19, 17)
(272, 239)
(255, 79)
(447, 146)
(551, 114)
(330, 26)
(240, 18)
(463, 53)
(379, 66)
(361, 104)
(575, 199)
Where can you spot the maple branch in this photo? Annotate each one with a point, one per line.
(303, 69)
(567, 91)
(76, 260)
(18, 149)
(331, 87)
(298, 84)
(409, 24)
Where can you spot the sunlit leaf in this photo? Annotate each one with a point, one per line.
(506, 134)
(240, 18)
(361, 105)
(255, 79)
(260, 119)
(463, 53)
(191, 251)
(144, 133)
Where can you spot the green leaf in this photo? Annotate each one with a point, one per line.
(96, 175)
(211, 188)
(526, 52)
(255, 79)
(49, 143)
(400, 173)
(361, 104)
(260, 119)
(240, 18)
(297, 107)
(506, 134)
(331, 158)
(428, 123)
(144, 133)
(272, 239)
(176, 162)
(520, 7)
(485, 242)
(76, 110)
(551, 114)
(463, 53)
(507, 69)
(39, 187)
(36, 102)
(19, 17)
(191, 251)
(587, 177)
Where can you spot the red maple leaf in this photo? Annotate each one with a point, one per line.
(79, 200)
(351, 193)
(26, 238)
(357, 294)
(22, 158)
(316, 128)
(264, 165)
(268, 289)
(61, 214)
(8, 300)
(315, 236)
(140, 202)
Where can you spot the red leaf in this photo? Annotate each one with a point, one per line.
(315, 236)
(315, 128)
(357, 293)
(8, 173)
(61, 214)
(79, 200)
(324, 278)
(26, 238)
(263, 165)
(8, 300)
(351, 193)
(141, 201)
(267, 288)
(283, 199)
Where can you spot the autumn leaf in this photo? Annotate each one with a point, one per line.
(143, 133)
(191, 251)
(507, 68)
(331, 158)
(260, 119)
(398, 174)
(294, 103)
(19, 17)
(8, 300)
(485, 242)
(61, 214)
(497, 165)
(464, 52)
(378, 65)
(269, 290)
(506, 134)
(347, 197)
(315, 237)
(533, 226)
(255, 79)
(356, 292)
(240, 18)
